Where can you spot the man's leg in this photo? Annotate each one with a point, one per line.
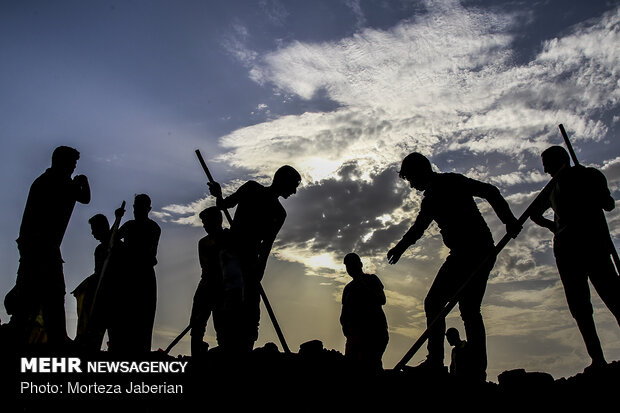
(438, 296)
(353, 348)
(587, 328)
(199, 318)
(606, 282)
(250, 315)
(379, 345)
(469, 305)
(54, 321)
(51, 295)
(150, 310)
(577, 291)
(143, 307)
(372, 345)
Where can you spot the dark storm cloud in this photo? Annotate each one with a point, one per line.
(341, 214)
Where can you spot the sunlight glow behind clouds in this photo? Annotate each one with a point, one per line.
(438, 83)
(442, 84)
(342, 91)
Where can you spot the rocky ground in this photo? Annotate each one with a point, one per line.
(313, 380)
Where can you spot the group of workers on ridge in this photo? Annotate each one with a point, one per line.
(120, 297)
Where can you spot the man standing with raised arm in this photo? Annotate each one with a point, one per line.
(40, 285)
(449, 201)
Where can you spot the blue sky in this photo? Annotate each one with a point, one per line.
(341, 90)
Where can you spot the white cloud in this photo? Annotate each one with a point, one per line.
(444, 82)
(274, 10)
(356, 8)
(440, 82)
(236, 44)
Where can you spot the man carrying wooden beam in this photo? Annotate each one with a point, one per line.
(581, 241)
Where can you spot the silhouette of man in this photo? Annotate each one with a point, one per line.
(257, 221)
(362, 318)
(581, 241)
(449, 201)
(98, 314)
(141, 239)
(460, 361)
(40, 285)
(216, 293)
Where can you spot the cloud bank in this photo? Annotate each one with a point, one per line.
(444, 83)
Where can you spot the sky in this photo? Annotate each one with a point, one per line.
(341, 90)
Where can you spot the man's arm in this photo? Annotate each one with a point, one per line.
(202, 255)
(122, 230)
(230, 201)
(493, 196)
(378, 290)
(264, 249)
(536, 216)
(416, 231)
(155, 242)
(604, 198)
(82, 189)
(453, 361)
(345, 316)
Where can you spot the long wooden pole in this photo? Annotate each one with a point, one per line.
(177, 339)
